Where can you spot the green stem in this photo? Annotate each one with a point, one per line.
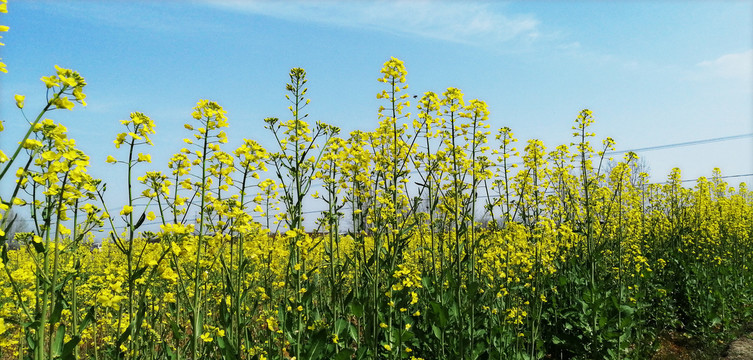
(31, 129)
(197, 326)
(53, 284)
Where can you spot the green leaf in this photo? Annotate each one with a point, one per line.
(344, 354)
(356, 309)
(38, 246)
(177, 334)
(122, 338)
(437, 331)
(406, 335)
(141, 221)
(62, 283)
(169, 351)
(225, 314)
(4, 252)
(69, 347)
(57, 311)
(353, 331)
(340, 325)
(57, 344)
(87, 320)
(132, 327)
(31, 340)
(427, 282)
(627, 309)
(316, 344)
(453, 311)
(226, 347)
(362, 352)
(440, 312)
(137, 274)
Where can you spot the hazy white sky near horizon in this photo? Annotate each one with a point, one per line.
(654, 73)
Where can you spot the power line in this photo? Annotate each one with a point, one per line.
(687, 143)
(720, 177)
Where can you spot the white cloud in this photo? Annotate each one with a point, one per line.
(461, 22)
(571, 46)
(730, 66)
(149, 16)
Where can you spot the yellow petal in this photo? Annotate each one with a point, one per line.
(19, 100)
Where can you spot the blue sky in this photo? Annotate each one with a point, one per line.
(654, 73)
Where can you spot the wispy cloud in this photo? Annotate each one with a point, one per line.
(737, 66)
(460, 22)
(150, 16)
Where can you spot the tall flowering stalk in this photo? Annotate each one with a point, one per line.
(295, 165)
(390, 215)
(426, 163)
(477, 113)
(251, 160)
(140, 128)
(211, 118)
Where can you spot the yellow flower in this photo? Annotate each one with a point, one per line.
(19, 100)
(80, 96)
(50, 81)
(271, 323)
(32, 144)
(175, 248)
(126, 210)
(63, 103)
(387, 347)
(150, 216)
(111, 159)
(119, 140)
(207, 337)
